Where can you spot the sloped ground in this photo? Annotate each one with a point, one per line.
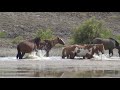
(26, 24)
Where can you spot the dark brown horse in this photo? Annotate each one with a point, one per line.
(28, 46)
(109, 44)
(52, 43)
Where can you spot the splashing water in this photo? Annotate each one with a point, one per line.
(105, 57)
(41, 53)
(36, 55)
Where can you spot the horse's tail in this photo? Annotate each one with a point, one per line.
(19, 53)
(116, 42)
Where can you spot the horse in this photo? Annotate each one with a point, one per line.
(51, 43)
(96, 48)
(109, 44)
(69, 51)
(88, 50)
(28, 46)
(82, 50)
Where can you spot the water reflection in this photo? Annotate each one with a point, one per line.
(30, 72)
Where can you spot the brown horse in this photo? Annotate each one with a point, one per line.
(28, 46)
(69, 51)
(82, 50)
(52, 43)
(95, 48)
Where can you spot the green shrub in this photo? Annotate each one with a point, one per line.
(117, 37)
(89, 30)
(17, 39)
(2, 34)
(44, 34)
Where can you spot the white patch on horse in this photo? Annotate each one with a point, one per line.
(75, 50)
(94, 46)
(65, 52)
(62, 40)
(82, 52)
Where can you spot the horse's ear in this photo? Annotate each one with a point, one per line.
(58, 38)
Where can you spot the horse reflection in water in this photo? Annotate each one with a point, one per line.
(51, 43)
(109, 44)
(29, 46)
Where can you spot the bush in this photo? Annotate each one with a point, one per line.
(17, 40)
(2, 34)
(44, 34)
(117, 37)
(89, 30)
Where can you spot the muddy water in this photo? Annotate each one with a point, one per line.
(36, 65)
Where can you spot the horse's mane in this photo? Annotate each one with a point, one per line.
(116, 42)
(49, 43)
(36, 40)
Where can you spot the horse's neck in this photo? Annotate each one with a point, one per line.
(54, 42)
(36, 44)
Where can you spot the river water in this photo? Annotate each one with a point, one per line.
(32, 63)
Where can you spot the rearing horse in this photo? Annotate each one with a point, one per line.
(109, 44)
(28, 46)
(52, 43)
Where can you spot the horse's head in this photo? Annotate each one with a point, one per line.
(60, 41)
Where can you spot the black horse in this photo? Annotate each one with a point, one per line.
(109, 44)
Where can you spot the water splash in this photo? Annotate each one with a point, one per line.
(41, 53)
(36, 55)
(105, 57)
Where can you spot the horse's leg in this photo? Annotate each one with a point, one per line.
(110, 51)
(72, 56)
(97, 53)
(119, 52)
(47, 53)
(83, 57)
(19, 56)
(22, 55)
(19, 53)
(68, 55)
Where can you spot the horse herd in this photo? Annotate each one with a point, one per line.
(80, 50)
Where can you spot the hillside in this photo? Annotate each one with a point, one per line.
(26, 24)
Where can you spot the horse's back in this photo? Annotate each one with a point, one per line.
(26, 46)
(106, 42)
